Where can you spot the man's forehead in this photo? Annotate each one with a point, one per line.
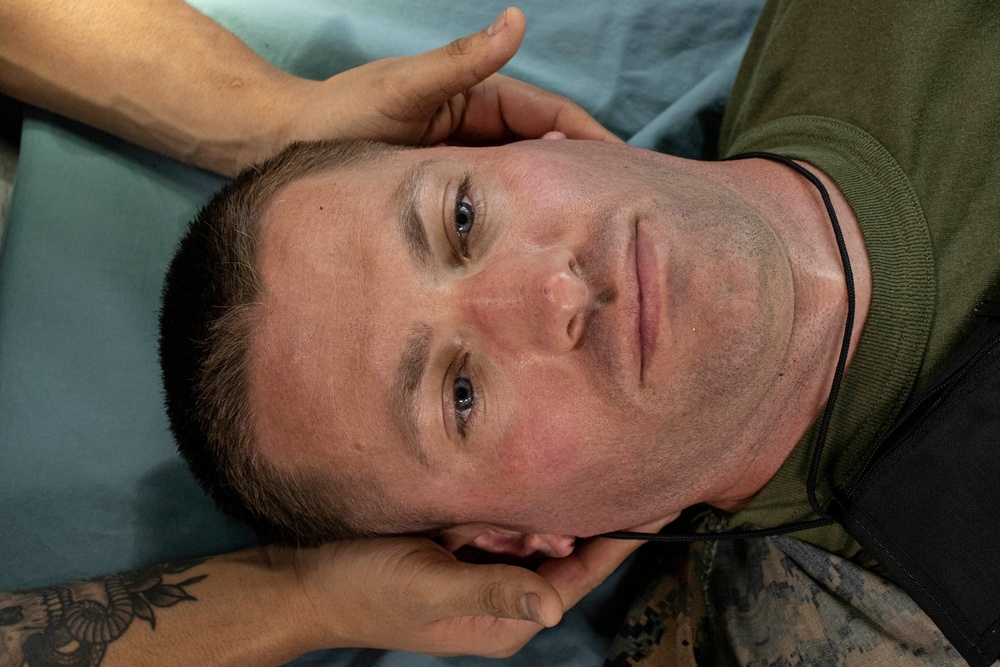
(322, 338)
(313, 200)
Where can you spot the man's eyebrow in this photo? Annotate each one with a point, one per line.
(411, 225)
(409, 372)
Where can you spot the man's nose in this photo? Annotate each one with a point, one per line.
(537, 299)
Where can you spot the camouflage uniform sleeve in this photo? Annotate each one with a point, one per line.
(668, 623)
(776, 601)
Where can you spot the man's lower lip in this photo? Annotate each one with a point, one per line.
(649, 296)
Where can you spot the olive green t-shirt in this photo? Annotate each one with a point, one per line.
(899, 103)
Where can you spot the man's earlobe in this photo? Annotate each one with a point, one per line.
(510, 542)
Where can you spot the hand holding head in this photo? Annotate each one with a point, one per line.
(448, 94)
(411, 594)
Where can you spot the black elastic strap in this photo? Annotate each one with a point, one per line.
(824, 516)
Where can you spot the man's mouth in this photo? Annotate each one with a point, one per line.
(649, 298)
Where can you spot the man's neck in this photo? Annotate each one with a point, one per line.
(799, 218)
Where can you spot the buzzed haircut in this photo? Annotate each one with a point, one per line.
(208, 319)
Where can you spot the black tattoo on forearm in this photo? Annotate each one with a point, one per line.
(71, 625)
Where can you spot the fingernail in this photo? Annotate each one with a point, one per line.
(498, 24)
(530, 605)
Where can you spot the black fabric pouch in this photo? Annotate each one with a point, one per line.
(926, 505)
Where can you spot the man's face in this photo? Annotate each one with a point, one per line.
(549, 336)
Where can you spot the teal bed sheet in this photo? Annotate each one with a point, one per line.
(89, 480)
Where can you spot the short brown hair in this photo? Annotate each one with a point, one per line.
(207, 322)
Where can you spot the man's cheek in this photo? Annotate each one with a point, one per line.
(543, 445)
(548, 192)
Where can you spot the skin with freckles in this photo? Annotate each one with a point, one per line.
(502, 370)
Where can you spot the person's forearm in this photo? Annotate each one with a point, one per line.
(161, 74)
(237, 609)
(156, 72)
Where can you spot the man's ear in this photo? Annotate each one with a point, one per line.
(502, 541)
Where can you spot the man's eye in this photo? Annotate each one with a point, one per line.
(465, 397)
(465, 218)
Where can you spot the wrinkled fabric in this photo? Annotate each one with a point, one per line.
(774, 601)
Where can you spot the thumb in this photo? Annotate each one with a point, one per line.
(502, 591)
(436, 76)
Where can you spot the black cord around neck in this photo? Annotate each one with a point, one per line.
(824, 518)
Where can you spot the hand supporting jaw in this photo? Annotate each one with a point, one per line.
(216, 104)
(451, 94)
(413, 594)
